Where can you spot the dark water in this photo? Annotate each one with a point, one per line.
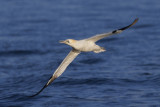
(126, 75)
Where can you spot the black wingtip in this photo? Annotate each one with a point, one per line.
(135, 21)
(49, 82)
(39, 91)
(42, 88)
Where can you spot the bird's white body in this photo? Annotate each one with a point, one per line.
(85, 45)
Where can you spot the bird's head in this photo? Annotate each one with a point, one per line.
(68, 42)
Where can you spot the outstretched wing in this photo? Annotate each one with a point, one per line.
(100, 36)
(69, 58)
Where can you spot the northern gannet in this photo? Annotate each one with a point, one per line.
(78, 46)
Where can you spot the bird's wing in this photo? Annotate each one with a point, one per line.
(69, 58)
(100, 36)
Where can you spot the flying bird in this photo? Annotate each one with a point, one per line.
(78, 46)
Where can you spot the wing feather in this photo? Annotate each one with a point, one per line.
(100, 36)
(69, 58)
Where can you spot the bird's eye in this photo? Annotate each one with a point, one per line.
(67, 41)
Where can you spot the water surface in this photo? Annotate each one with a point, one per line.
(126, 75)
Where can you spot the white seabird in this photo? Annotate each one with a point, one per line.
(78, 46)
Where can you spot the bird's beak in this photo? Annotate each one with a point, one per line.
(62, 41)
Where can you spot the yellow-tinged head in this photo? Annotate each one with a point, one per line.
(68, 41)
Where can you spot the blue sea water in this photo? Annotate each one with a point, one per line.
(126, 75)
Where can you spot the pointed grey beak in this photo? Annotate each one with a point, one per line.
(61, 41)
